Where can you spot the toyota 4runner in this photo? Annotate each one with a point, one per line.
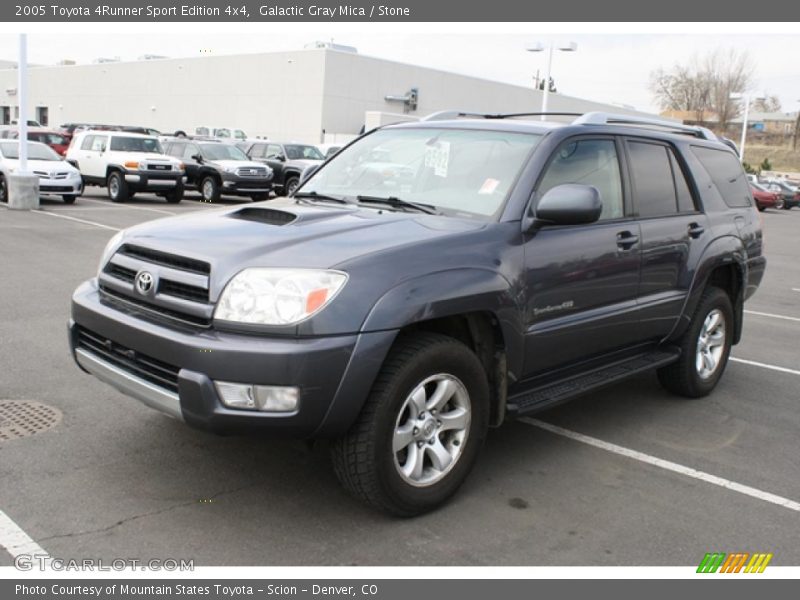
(126, 163)
(430, 281)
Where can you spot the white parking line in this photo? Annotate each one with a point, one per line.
(774, 316)
(764, 365)
(796, 289)
(127, 206)
(76, 219)
(16, 541)
(665, 464)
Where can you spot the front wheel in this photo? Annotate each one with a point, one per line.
(291, 185)
(705, 348)
(3, 189)
(209, 189)
(779, 204)
(421, 428)
(69, 198)
(175, 196)
(118, 188)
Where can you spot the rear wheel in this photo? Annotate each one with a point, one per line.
(705, 348)
(420, 430)
(779, 204)
(118, 188)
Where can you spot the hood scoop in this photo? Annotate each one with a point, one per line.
(268, 216)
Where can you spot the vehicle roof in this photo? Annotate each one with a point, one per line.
(543, 127)
(116, 132)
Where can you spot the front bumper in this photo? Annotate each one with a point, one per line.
(234, 184)
(334, 373)
(153, 180)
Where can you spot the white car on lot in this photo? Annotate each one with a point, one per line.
(56, 176)
(126, 163)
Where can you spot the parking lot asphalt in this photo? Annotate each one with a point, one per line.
(115, 479)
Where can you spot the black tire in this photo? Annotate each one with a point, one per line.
(260, 197)
(176, 195)
(364, 459)
(3, 189)
(290, 185)
(683, 376)
(69, 198)
(118, 190)
(779, 204)
(209, 189)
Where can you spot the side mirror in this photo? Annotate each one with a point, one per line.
(568, 204)
(280, 157)
(307, 173)
(197, 158)
(102, 147)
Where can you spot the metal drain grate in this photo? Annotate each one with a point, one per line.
(22, 418)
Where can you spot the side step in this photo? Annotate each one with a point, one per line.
(559, 391)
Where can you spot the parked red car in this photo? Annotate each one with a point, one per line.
(764, 198)
(57, 140)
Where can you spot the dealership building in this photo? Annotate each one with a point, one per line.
(323, 93)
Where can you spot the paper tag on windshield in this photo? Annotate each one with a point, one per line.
(438, 157)
(489, 186)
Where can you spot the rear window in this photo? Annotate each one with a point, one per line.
(727, 174)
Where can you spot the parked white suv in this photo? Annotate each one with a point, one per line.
(126, 163)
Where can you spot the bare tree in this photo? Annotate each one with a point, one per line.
(770, 103)
(704, 85)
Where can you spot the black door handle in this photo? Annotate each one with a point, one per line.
(626, 240)
(696, 230)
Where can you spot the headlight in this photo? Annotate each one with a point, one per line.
(231, 170)
(277, 296)
(110, 247)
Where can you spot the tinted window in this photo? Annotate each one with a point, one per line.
(654, 187)
(685, 199)
(257, 150)
(99, 143)
(86, 144)
(588, 162)
(273, 150)
(174, 149)
(135, 144)
(191, 150)
(727, 174)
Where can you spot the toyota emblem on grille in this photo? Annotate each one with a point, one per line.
(144, 282)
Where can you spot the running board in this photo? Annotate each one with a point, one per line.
(555, 392)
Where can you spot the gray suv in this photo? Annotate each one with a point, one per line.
(430, 281)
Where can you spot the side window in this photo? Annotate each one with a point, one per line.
(727, 174)
(190, 150)
(685, 199)
(99, 143)
(653, 185)
(258, 151)
(87, 142)
(590, 162)
(273, 151)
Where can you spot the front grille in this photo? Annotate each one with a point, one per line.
(158, 167)
(178, 291)
(251, 172)
(145, 367)
(169, 260)
(46, 175)
(181, 290)
(150, 310)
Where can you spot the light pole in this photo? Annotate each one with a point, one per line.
(747, 97)
(22, 187)
(539, 47)
(796, 130)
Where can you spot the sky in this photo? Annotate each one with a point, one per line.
(612, 68)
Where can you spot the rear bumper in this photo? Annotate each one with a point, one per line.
(334, 373)
(755, 273)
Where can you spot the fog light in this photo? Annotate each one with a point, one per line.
(266, 398)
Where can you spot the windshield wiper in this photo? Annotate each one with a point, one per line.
(396, 202)
(316, 196)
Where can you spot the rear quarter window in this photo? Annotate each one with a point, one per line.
(726, 173)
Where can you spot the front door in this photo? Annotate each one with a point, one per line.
(582, 280)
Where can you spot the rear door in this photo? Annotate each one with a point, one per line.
(673, 231)
(581, 281)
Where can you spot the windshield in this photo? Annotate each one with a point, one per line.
(135, 144)
(456, 170)
(222, 152)
(300, 152)
(36, 151)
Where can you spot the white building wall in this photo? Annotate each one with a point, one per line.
(277, 94)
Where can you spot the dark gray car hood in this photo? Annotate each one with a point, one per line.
(320, 236)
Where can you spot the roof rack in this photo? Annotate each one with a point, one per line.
(445, 115)
(601, 118)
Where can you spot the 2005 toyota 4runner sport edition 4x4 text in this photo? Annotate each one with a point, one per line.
(429, 281)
